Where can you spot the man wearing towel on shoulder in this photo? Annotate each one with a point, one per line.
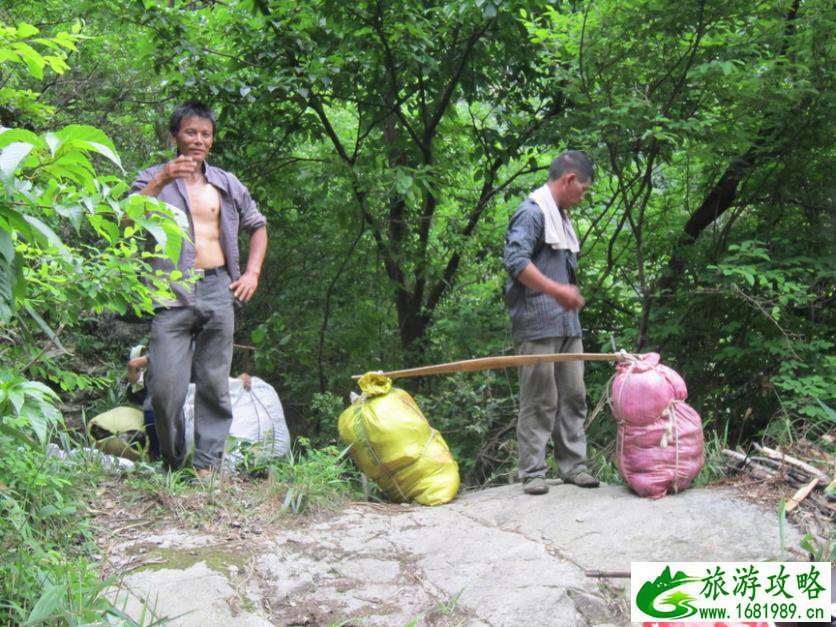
(543, 300)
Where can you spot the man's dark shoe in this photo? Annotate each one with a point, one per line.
(583, 479)
(535, 485)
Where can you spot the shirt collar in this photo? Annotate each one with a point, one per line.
(214, 177)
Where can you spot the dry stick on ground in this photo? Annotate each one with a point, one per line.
(608, 573)
(792, 461)
(800, 496)
(777, 465)
(756, 470)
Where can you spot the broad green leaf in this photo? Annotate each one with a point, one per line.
(16, 398)
(828, 411)
(32, 58)
(53, 141)
(18, 435)
(104, 151)
(85, 133)
(44, 231)
(12, 155)
(48, 605)
(9, 135)
(8, 279)
(7, 247)
(25, 31)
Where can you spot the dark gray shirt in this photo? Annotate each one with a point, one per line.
(535, 316)
(238, 211)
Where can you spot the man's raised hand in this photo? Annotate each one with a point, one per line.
(181, 167)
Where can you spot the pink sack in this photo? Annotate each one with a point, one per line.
(643, 388)
(664, 455)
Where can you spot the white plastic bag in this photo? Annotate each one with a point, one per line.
(257, 416)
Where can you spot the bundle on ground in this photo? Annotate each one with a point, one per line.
(394, 445)
(660, 439)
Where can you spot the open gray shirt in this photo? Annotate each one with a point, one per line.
(238, 211)
(535, 316)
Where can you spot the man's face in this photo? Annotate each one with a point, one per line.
(571, 190)
(195, 137)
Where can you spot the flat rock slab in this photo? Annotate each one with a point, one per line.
(492, 557)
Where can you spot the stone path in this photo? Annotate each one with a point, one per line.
(492, 557)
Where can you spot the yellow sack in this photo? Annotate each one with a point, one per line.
(394, 445)
(120, 432)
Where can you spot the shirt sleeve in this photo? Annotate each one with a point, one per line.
(521, 238)
(141, 181)
(251, 217)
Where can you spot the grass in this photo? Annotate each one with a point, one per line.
(58, 515)
(314, 479)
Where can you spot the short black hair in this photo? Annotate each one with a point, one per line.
(192, 109)
(572, 161)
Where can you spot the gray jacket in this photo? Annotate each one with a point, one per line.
(238, 211)
(535, 316)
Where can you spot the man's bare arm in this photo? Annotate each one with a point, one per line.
(245, 287)
(568, 296)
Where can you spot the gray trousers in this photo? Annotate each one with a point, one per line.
(196, 341)
(552, 405)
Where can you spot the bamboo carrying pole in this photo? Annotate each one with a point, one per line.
(486, 363)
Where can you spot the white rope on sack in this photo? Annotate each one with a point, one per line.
(606, 398)
(671, 432)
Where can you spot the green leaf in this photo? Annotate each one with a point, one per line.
(829, 413)
(7, 247)
(9, 135)
(84, 133)
(25, 31)
(17, 399)
(105, 151)
(46, 233)
(34, 61)
(18, 435)
(12, 155)
(7, 276)
(48, 604)
(45, 328)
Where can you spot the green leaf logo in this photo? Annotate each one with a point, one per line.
(664, 583)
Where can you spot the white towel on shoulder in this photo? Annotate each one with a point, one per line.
(559, 232)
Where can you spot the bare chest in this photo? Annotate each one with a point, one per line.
(204, 202)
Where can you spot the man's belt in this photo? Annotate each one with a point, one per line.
(202, 273)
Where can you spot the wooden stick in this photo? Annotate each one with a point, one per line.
(744, 462)
(735, 455)
(608, 573)
(800, 496)
(792, 461)
(486, 363)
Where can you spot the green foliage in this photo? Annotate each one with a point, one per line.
(46, 575)
(388, 145)
(313, 479)
(476, 415)
(49, 190)
(49, 185)
(24, 45)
